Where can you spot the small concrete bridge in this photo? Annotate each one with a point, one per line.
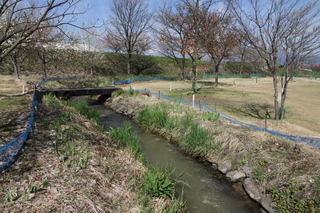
(104, 92)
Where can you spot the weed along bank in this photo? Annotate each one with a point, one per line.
(280, 175)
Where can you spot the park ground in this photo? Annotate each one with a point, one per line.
(233, 94)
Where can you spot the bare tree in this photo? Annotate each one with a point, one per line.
(218, 37)
(21, 19)
(91, 42)
(16, 56)
(274, 25)
(171, 36)
(130, 20)
(196, 12)
(113, 42)
(180, 31)
(44, 43)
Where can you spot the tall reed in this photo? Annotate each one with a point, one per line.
(128, 140)
(193, 138)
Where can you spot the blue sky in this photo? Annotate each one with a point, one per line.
(100, 9)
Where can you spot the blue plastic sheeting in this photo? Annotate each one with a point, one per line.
(140, 79)
(202, 106)
(10, 151)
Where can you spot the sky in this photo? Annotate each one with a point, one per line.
(98, 14)
(100, 10)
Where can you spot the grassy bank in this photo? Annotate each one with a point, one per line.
(286, 171)
(69, 164)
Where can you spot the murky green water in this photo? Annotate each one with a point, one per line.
(208, 191)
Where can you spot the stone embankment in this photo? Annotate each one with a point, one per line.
(132, 106)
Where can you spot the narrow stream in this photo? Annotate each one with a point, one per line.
(208, 191)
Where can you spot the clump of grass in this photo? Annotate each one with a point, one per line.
(126, 139)
(210, 116)
(70, 151)
(11, 194)
(196, 140)
(193, 138)
(186, 121)
(156, 116)
(156, 183)
(50, 100)
(83, 108)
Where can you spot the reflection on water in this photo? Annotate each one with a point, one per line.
(207, 192)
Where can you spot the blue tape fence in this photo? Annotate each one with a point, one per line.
(10, 151)
(129, 81)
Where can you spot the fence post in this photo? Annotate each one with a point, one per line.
(265, 123)
(192, 100)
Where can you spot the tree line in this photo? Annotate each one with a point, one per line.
(267, 34)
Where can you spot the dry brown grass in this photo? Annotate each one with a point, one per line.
(107, 184)
(11, 86)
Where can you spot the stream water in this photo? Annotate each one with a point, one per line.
(208, 191)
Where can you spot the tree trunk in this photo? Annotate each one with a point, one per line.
(283, 98)
(15, 67)
(44, 65)
(183, 65)
(276, 103)
(241, 64)
(216, 70)
(44, 69)
(284, 87)
(194, 77)
(129, 63)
